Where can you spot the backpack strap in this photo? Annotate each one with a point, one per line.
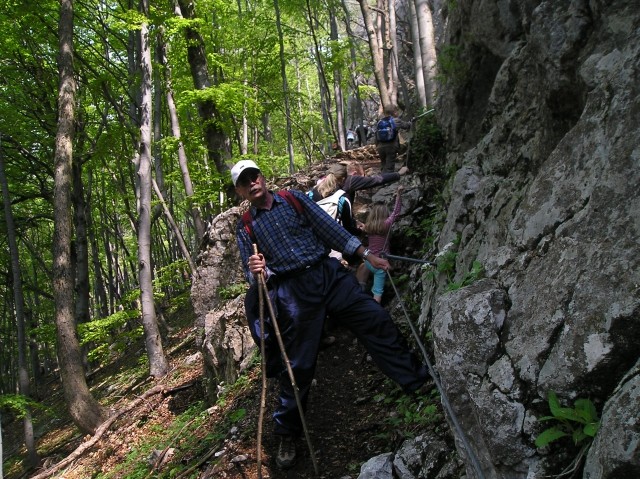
(292, 200)
(341, 202)
(247, 219)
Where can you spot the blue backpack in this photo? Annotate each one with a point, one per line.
(386, 129)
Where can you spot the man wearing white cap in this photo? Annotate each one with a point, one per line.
(294, 237)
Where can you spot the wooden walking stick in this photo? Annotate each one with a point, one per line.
(263, 367)
(265, 294)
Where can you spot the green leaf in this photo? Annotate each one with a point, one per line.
(591, 429)
(586, 410)
(561, 412)
(549, 435)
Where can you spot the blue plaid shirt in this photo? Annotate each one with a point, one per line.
(290, 241)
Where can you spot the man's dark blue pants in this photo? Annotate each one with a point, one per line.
(302, 303)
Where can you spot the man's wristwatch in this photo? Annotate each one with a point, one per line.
(366, 253)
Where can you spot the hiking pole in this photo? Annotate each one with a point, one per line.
(276, 328)
(404, 258)
(422, 114)
(445, 401)
(263, 368)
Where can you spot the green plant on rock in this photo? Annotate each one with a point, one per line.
(476, 272)
(451, 67)
(427, 152)
(411, 414)
(426, 227)
(232, 291)
(446, 263)
(581, 422)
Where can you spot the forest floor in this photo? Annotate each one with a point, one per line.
(168, 428)
(353, 414)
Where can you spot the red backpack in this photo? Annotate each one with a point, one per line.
(287, 195)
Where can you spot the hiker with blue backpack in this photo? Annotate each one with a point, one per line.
(293, 236)
(387, 138)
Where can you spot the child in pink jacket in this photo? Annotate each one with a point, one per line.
(378, 227)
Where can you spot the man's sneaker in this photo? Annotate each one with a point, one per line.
(286, 452)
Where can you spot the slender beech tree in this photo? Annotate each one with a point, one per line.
(177, 134)
(325, 91)
(427, 47)
(358, 114)
(215, 138)
(23, 369)
(285, 85)
(376, 51)
(100, 293)
(1, 451)
(174, 226)
(85, 411)
(81, 244)
(158, 365)
(337, 83)
(391, 46)
(418, 70)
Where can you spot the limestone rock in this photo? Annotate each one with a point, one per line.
(543, 132)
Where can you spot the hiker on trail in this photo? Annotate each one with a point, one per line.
(351, 138)
(387, 138)
(339, 207)
(363, 134)
(351, 183)
(293, 236)
(378, 228)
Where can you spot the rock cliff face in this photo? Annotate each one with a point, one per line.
(542, 116)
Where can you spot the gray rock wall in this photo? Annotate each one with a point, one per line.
(222, 332)
(543, 120)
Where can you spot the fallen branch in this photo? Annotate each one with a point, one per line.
(104, 427)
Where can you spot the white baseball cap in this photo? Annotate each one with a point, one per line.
(240, 167)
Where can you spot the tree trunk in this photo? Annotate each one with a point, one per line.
(418, 71)
(244, 135)
(215, 138)
(376, 54)
(357, 115)
(182, 155)
(337, 86)
(427, 47)
(176, 230)
(102, 302)
(158, 90)
(18, 297)
(392, 49)
(325, 91)
(285, 85)
(81, 245)
(158, 365)
(1, 450)
(108, 253)
(85, 411)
